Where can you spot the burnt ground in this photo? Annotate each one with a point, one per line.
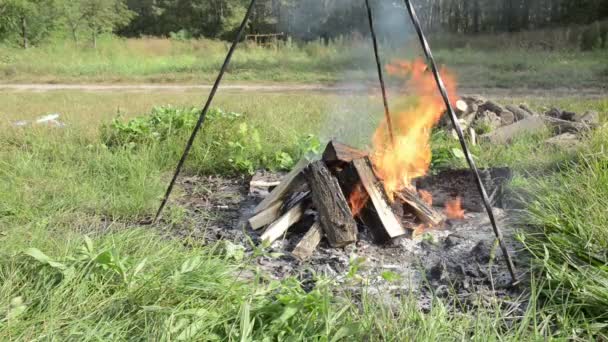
(460, 262)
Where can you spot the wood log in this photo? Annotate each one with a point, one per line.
(506, 134)
(338, 152)
(290, 181)
(562, 126)
(309, 242)
(266, 216)
(461, 107)
(378, 198)
(279, 227)
(422, 210)
(492, 107)
(519, 113)
(335, 216)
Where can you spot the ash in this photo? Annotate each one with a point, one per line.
(460, 262)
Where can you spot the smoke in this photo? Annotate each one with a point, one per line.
(354, 115)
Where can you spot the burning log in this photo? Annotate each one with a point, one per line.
(280, 226)
(378, 198)
(335, 216)
(290, 181)
(419, 207)
(309, 242)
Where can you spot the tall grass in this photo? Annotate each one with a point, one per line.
(129, 282)
(571, 248)
(165, 60)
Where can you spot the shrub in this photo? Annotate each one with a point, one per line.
(228, 143)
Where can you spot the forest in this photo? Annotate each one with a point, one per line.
(27, 22)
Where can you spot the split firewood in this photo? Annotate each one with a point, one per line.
(309, 242)
(338, 152)
(421, 209)
(378, 198)
(266, 216)
(279, 227)
(472, 136)
(290, 181)
(335, 215)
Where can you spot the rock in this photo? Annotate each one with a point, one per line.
(487, 122)
(505, 134)
(519, 113)
(507, 118)
(591, 118)
(565, 141)
(554, 113)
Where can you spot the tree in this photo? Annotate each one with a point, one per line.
(105, 16)
(30, 20)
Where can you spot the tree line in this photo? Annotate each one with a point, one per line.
(30, 21)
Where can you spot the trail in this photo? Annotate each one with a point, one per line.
(291, 87)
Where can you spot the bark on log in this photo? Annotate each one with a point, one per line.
(309, 242)
(334, 213)
(562, 126)
(492, 107)
(519, 113)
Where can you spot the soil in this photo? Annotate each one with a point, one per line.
(295, 87)
(460, 261)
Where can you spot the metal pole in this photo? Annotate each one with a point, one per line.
(387, 113)
(463, 144)
(205, 109)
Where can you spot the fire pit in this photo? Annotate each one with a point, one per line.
(349, 202)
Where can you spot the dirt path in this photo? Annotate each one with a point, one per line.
(290, 87)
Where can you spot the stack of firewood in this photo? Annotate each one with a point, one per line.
(326, 186)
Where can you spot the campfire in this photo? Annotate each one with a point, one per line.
(384, 193)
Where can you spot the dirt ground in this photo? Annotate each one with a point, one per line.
(289, 87)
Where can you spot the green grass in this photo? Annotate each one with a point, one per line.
(58, 185)
(197, 61)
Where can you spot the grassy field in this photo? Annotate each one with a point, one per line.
(75, 265)
(197, 61)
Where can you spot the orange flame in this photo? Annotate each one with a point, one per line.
(410, 155)
(453, 209)
(426, 196)
(357, 199)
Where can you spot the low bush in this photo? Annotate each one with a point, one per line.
(227, 142)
